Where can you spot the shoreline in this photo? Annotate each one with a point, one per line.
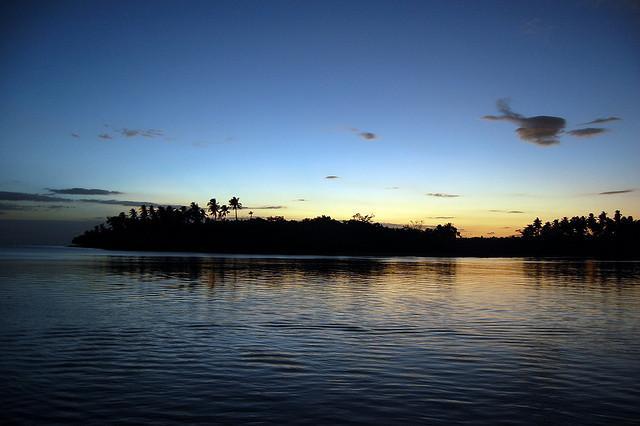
(373, 255)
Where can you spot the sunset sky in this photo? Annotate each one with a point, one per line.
(484, 114)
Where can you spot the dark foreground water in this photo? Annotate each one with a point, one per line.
(90, 336)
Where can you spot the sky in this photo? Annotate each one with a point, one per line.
(483, 114)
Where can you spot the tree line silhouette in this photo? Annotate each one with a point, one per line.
(582, 228)
(590, 235)
(193, 228)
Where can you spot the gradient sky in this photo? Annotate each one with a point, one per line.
(173, 102)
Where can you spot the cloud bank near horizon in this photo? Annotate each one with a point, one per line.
(83, 191)
(28, 197)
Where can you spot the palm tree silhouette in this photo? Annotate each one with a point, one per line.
(224, 211)
(152, 213)
(214, 208)
(196, 214)
(235, 205)
(250, 215)
(537, 226)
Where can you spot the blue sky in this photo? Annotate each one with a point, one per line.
(263, 100)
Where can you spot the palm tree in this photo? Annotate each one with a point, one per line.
(617, 217)
(235, 205)
(196, 214)
(592, 225)
(144, 214)
(162, 214)
(224, 211)
(152, 213)
(537, 226)
(214, 208)
(250, 215)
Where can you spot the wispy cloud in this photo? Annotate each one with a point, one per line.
(602, 120)
(265, 208)
(83, 191)
(442, 217)
(12, 207)
(301, 199)
(442, 195)
(367, 136)
(8, 207)
(392, 187)
(147, 133)
(129, 133)
(506, 211)
(587, 132)
(75, 135)
(114, 132)
(125, 203)
(332, 177)
(544, 130)
(4, 208)
(22, 196)
(621, 191)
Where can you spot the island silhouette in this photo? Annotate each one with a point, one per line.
(192, 228)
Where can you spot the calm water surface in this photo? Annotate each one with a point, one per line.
(93, 337)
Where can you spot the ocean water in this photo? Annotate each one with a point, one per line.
(89, 336)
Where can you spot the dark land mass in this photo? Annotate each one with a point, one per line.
(193, 229)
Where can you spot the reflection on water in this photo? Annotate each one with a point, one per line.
(153, 338)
